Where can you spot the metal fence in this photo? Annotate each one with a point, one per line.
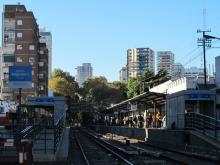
(204, 124)
(58, 128)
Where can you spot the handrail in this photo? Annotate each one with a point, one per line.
(203, 115)
(202, 123)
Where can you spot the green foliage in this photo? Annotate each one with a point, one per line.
(133, 87)
(145, 82)
(149, 82)
(84, 118)
(101, 93)
(63, 84)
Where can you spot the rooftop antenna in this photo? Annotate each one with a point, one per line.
(204, 15)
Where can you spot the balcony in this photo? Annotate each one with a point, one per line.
(6, 90)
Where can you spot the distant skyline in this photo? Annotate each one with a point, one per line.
(100, 32)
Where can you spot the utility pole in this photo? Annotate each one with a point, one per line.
(204, 41)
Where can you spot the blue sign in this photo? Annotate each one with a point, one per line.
(20, 76)
(46, 100)
(199, 96)
(20, 73)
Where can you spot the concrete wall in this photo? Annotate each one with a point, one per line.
(166, 136)
(178, 139)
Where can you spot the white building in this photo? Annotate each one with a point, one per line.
(184, 95)
(123, 74)
(83, 72)
(46, 37)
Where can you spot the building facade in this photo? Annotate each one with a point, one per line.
(123, 74)
(83, 72)
(139, 60)
(165, 61)
(193, 72)
(217, 69)
(177, 71)
(20, 45)
(43, 69)
(46, 37)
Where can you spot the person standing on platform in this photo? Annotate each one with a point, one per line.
(149, 120)
(158, 120)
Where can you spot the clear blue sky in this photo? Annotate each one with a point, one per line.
(101, 31)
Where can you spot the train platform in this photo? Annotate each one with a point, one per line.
(182, 141)
(159, 152)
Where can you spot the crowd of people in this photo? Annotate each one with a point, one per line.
(137, 121)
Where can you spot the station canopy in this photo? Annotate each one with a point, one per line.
(148, 98)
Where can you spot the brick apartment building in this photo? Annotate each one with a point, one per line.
(21, 47)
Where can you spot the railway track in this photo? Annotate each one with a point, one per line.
(171, 157)
(89, 151)
(95, 150)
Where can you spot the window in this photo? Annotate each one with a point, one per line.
(32, 72)
(9, 37)
(41, 64)
(19, 22)
(32, 85)
(19, 47)
(9, 58)
(19, 59)
(41, 52)
(41, 76)
(19, 35)
(31, 47)
(31, 60)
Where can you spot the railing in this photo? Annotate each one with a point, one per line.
(29, 131)
(204, 124)
(58, 128)
(6, 89)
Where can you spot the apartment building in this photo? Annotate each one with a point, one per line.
(123, 74)
(20, 47)
(83, 72)
(139, 60)
(46, 37)
(165, 61)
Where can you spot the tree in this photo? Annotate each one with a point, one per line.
(133, 87)
(161, 77)
(121, 89)
(147, 80)
(101, 93)
(150, 80)
(63, 84)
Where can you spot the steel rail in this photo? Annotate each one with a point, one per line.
(108, 149)
(82, 151)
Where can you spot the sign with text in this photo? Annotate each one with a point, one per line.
(20, 76)
(199, 96)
